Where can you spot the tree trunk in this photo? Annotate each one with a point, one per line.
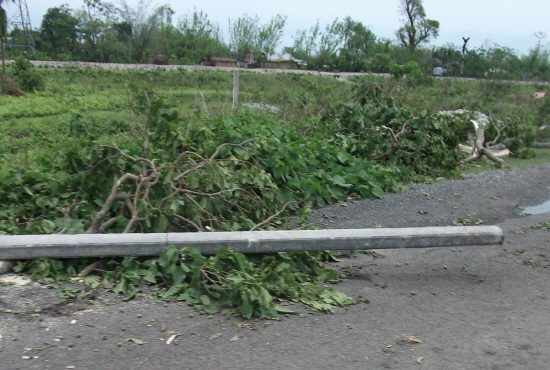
(3, 60)
(3, 66)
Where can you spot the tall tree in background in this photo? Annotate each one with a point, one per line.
(144, 24)
(95, 20)
(305, 44)
(270, 34)
(59, 29)
(416, 29)
(537, 62)
(344, 46)
(167, 32)
(247, 36)
(3, 31)
(123, 34)
(357, 42)
(318, 48)
(242, 35)
(199, 38)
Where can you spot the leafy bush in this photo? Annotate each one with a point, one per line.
(543, 112)
(373, 127)
(517, 132)
(398, 70)
(26, 76)
(41, 56)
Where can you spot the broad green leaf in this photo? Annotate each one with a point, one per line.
(284, 310)
(135, 340)
(377, 191)
(162, 223)
(48, 226)
(192, 180)
(211, 308)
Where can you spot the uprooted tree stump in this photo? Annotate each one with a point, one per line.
(478, 146)
(479, 150)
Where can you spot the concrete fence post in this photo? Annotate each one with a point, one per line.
(106, 245)
(236, 89)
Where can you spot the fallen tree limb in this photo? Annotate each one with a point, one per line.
(505, 153)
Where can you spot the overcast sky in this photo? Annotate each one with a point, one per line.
(510, 23)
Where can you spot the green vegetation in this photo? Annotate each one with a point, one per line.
(102, 31)
(131, 151)
(251, 284)
(544, 226)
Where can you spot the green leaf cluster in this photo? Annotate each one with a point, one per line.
(250, 284)
(314, 170)
(414, 143)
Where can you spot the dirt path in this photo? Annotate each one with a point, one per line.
(463, 308)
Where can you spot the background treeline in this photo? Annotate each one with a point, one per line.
(100, 31)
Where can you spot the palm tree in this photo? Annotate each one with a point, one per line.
(3, 31)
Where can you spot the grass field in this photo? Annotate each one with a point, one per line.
(79, 102)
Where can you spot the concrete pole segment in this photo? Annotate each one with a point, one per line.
(106, 245)
(236, 89)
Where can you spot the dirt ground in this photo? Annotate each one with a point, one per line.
(484, 307)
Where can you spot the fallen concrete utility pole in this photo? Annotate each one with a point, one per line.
(107, 245)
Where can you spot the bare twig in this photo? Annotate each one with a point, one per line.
(267, 220)
(188, 221)
(393, 134)
(499, 130)
(111, 199)
(106, 224)
(91, 267)
(70, 209)
(205, 272)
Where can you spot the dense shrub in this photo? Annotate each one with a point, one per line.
(26, 76)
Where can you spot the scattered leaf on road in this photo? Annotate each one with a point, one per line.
(214, 336)
(135, 340)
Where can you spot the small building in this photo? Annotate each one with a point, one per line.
(223, 62)
(276, 61)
